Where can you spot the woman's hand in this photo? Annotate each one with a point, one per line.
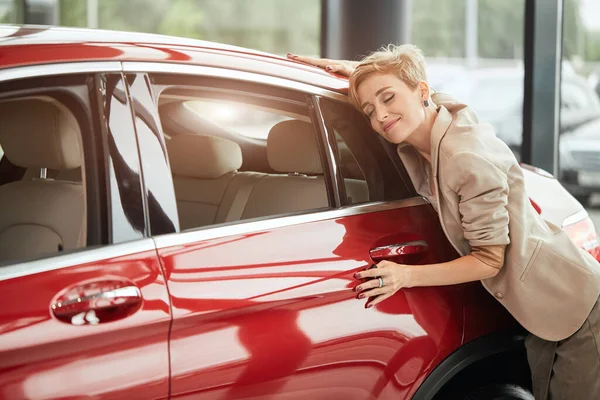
(342, 67)
(393, 276)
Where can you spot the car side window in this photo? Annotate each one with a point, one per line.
(159, 193)
(45, 193)
(239, 151)
(370, 167)
(127, 217)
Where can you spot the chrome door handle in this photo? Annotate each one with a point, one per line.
(106, 305)
(396, 250)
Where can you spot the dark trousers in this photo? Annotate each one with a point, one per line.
(568, 369)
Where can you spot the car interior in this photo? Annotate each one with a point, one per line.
(42, 195)
(221, 174)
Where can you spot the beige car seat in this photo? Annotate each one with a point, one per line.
(292, 149)
(202, 168)
(40, 216)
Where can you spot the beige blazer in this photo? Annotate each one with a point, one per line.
(547, 283)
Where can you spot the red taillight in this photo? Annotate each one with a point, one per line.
(583, 233)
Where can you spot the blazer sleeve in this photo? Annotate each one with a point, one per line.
(482, 190)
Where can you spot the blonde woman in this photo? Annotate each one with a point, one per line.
(476, 185)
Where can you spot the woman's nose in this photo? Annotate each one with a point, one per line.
(381, 115)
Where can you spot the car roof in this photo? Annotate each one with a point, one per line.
(37, 45)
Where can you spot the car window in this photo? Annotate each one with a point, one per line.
(158, 185)
(127, 217)
(247, 121)
(369, 166)
(45, 138)
(240, 153)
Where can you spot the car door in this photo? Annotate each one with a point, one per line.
(85, 320)
(263, 304)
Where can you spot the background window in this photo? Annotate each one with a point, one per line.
(579, 140)
(474, 52)
(276, 26)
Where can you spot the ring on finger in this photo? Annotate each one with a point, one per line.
(380, 281)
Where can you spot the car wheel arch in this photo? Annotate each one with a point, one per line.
(477, 352)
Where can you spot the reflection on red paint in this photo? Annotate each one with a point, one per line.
(289, 320)
(42, 357)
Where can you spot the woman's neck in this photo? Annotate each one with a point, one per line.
(421, 138)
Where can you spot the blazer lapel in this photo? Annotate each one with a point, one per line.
(412, 159)
(438, 131)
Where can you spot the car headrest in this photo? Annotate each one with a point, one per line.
(40, 133)
(292, 147)
(203, 157)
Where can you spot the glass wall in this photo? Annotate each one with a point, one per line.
(474, 51)
(579, 140)
(275, 26)
(8, 12)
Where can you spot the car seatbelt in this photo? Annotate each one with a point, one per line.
(239, 201)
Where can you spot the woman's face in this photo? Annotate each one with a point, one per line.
(395, 110)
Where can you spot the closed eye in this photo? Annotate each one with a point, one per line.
(389, 98)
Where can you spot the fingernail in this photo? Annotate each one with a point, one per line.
(328, 68)
(361, 296)
(357, 276)
(369, 306)
(292, 55)
(358, 288)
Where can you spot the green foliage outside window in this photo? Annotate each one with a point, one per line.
(276, 26)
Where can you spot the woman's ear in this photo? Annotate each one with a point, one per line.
(423, 90)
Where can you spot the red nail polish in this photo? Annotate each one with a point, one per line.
(357, 276)
(361, 296)
(369, 306)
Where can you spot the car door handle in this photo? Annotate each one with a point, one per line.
(108, 301)
(398, 250)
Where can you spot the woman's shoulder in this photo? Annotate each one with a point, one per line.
(468, 136)
(465, 125)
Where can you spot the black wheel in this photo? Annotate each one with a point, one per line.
(497, 391)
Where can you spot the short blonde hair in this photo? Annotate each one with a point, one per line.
(406, 61)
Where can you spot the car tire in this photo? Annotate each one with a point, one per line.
(497, 391)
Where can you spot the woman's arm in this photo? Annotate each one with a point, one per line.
(342, 67)
(482, 189)
(397, 276)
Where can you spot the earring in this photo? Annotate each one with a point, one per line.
(426, 103)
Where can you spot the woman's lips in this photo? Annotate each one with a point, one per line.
(390, 125)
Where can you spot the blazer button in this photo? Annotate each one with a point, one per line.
(499, 295)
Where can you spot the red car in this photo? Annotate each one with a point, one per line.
(183, 219)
